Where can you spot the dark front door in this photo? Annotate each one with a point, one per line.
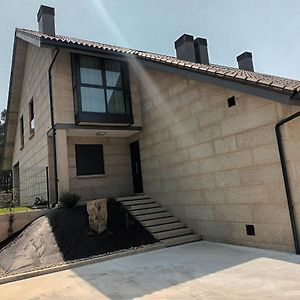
(136, 167)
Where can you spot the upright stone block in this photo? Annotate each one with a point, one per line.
(97, 211)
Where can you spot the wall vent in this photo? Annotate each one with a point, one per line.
(231, 101)
(250, 229)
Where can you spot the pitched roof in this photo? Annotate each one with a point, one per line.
(278, 84)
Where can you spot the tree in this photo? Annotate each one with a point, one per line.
(2, 130)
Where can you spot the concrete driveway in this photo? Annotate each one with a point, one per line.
(201, 270)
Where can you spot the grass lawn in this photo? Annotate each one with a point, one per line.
(15, 209)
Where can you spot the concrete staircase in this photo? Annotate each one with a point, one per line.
(157, 220)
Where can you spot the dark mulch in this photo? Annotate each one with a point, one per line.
(75, 239)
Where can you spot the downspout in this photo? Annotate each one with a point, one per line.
(53, 126)
(286, 178)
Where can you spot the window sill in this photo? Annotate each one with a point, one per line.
(91, 176)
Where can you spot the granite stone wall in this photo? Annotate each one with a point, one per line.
(217, 167)
(33, 157)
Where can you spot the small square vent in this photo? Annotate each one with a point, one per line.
(231, 101)
(250, 229)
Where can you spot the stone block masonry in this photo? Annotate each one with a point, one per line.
(217, 168)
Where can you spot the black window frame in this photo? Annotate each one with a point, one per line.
(31, 117)
(82, 164)
(21, 132)
(99, 117)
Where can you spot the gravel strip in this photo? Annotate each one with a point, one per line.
(6, 278)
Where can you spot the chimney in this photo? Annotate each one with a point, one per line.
(46, 20)
(185, 48)
(201, 52)
(245, 61)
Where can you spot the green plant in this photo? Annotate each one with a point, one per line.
(40, 201)
(69, 199)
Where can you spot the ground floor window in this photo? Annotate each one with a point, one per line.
(89, 159)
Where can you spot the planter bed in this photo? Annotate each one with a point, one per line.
(63, 235)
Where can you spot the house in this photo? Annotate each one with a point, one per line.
(218, 146)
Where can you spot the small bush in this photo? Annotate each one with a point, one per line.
(69, 199)
(40, 201)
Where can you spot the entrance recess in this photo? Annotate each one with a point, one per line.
(136, 167)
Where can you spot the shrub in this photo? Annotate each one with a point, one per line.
(40, 201)
(69, 199)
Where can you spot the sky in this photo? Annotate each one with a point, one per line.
(267, 28)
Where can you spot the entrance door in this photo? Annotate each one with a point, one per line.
(136, 167)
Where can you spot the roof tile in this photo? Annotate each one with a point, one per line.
(272, 82)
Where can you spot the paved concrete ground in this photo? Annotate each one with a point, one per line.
(200, 270)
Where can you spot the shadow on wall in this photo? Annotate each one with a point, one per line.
(195, 264)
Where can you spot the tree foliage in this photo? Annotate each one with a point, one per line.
(2, 130)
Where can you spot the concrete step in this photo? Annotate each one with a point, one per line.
(159, 221)
(154, 216)
(180, 240)
(172, 233)
(137, 202)
(161, 228)
(133, 197)
(142, 206)
(148, 211)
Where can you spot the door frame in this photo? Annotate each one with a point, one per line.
(136, 167)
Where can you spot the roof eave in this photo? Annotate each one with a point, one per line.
(45, 42)
(28, 38)
(235, 84)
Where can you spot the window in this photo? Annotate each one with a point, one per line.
(31, 117)
(250, 229)
(89, 159)
(101, 88)
(22, 132)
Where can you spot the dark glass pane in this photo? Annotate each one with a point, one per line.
(22, 131)
(92, 99)
(115, 102)
(89, 159)
(90, 70)
(113, 74)
(31, 110)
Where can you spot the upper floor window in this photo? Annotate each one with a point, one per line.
(21, 132)
(31, 117)
(102, 90)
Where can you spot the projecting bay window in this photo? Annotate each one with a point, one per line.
(101, 91)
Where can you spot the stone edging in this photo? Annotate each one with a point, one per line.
(81, 262)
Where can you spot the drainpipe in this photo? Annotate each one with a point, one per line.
(53, 125)
(286, 178)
